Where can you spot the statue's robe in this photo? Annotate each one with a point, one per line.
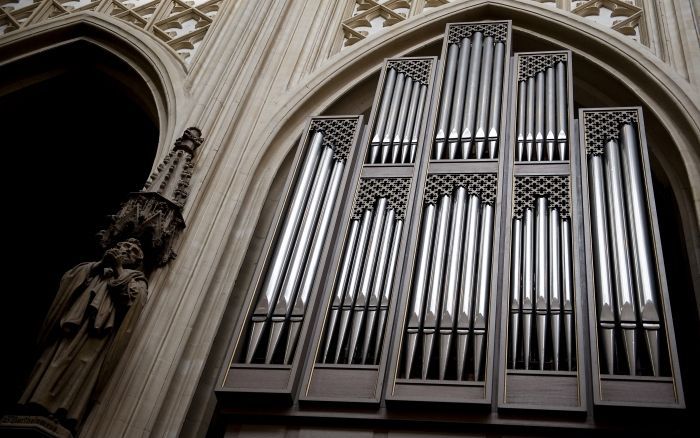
(87, 327)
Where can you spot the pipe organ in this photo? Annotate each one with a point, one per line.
(473, 244)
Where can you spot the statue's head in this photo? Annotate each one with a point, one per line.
(129, 253)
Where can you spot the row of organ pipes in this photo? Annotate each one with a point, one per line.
(470, 108)
(541, 285)
(397, 128)
(362, 290)
(282, 302)
(450, 293)
(624, 262)
(541, 124)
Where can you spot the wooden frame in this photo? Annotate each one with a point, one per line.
(278, 383)
(532, 389)
(354, 383)
(610, 390)
(417, 391)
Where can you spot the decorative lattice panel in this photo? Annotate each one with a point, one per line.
(416, 69)
(338, 134)
(530, 65)
(180, 24)
(481, 184)
(554, 188)
(601, 126)
(395, 190)
(457, 32)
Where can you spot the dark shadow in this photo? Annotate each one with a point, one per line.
(80, 133)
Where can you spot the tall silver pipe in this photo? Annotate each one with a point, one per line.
(302, 298)
(555, 289)
(454, 255)
(448, 84)
(388, 287)
(275, 273)
(420, 284)
(418, 124)
(467, 291)
(305, 236)
(496, 92)
(562, 124)
(516, 269)
(541, 279)
(601, 259)
(432, 305)
(379, 281)
(410, 122)
(528, 301)
(530, 119)
(343, 276)
(642, 252)
(483, 107)
(470, 104)
(375, 237)
(624, 283)
(550, 111)
(458, 99)
(353, 282)
(481, 302)
(391, 119)
(567, 283)
(539, 115)
(522, 109)
(401, 120)
(380, 125)
(300, 252)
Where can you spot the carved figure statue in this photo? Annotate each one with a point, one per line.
(87, 327)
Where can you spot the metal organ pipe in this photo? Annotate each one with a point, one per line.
(392, 118)
(379, 280)
(368, 270)
(300, 252)
(401, 121)
(420, 285)
(539, 116)
(643, 257)
(468, 118)
(451, 290)
(417, 124)
(484, 96)
(467, 290)
(568, 289)
(353, 282)
(344, 275)
(382, 117)
(282, 252)
(624, 285)
(601, 259)
(529, 118)
(386, 293)
(528, 302)
(302, 298)
(410, 122)
(481, 305)
(447, 90)
(437, 274)
(522, 109)
(496, 92)
(555, 295)
(562, 124)
(550, 110)
(516, 268)
(458, 99)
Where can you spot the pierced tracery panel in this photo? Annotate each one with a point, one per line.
(181, 24)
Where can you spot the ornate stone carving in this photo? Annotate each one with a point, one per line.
(88, 325)
(154, 214)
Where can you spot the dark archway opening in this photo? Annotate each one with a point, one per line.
(80, 133)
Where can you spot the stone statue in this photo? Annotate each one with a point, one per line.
(87, 327)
